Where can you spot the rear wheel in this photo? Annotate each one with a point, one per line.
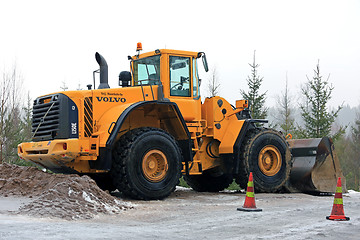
(146, 164)
(265, 152)
(209, 181)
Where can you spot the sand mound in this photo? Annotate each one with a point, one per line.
(57, 195)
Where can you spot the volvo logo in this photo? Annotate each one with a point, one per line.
(111, 99)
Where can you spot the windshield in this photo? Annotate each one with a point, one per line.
(147, 71)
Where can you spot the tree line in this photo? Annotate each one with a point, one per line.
(316, 119)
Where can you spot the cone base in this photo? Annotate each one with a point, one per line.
(338, 218)
(249, 209)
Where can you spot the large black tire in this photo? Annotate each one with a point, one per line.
(146, 164)
(209, 181)
(266, 154)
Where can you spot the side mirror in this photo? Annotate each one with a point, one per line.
(205, 63)
(202, 54)
(124, 79)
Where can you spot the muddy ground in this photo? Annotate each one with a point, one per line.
(72, 207)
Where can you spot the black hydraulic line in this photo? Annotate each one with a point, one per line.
(208, 150)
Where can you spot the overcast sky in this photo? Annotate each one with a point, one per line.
(55, 41)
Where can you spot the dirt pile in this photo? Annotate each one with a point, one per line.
(57, 195)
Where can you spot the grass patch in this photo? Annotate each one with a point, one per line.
(183, 183)
(234, 186)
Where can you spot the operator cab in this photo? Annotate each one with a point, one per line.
(175, 70)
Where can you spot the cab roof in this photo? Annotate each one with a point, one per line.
(167, 51)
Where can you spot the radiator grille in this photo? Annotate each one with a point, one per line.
(54, 117)
(88, 116)
(46, 118)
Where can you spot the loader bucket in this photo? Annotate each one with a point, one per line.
(316, 166)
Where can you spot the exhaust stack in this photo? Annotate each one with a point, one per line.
(103, 71)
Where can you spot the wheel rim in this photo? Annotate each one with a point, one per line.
(270, 160)
(154, 166)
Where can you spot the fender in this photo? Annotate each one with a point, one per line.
(179, 131)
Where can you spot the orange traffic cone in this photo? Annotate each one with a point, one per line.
(337, 212)
(249, 204)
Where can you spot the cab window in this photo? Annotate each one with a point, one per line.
(147, 71)
(180, 76)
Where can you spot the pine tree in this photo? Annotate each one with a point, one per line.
(315, 114)
(256, 100)
(285, 112)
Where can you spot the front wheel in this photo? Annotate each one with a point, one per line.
(146, 164)
(266, 153)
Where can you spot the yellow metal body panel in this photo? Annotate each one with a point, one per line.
(106, 122)
(106, 99)
(222, 122)
(189, 108)
(230, 136)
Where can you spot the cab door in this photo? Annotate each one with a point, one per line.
(184, 88)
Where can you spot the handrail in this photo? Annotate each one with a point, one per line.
(142, 89)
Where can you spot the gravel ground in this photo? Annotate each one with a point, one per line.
(191, 215)
(38, 205)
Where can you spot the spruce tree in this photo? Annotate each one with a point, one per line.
(314, 112)
(256, 100)
(285, 112)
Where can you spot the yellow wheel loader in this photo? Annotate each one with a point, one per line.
(141, 137)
